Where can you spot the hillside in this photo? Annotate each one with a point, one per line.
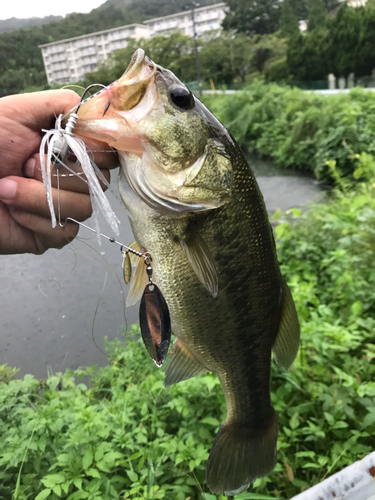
(14, 23)
(21, 60)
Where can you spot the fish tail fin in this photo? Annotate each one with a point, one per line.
(240, 455)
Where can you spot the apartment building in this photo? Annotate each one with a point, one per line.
(207, 18)
(69, 60)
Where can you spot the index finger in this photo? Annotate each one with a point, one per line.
(39, 109)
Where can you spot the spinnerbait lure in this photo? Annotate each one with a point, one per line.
(153, 314)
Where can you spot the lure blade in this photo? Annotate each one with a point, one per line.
(155, 323)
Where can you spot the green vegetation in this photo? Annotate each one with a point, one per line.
(298, 129)
(317, 15)
(15, 23)
(122, 435)
(289, 25)
(246, 59)
(252, 17)
(342, 45)
(175, 50)
(21, 60)
(260, 39)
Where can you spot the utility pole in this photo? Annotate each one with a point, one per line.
(192, 6)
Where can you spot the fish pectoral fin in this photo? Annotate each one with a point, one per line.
(130, 260)
(134, 259)
(140, 278)
(183, 365)
(286, 344)
(201, 260)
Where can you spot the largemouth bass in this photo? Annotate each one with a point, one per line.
(195, 205)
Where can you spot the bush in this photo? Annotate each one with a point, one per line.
(122, 435)
(298, 129)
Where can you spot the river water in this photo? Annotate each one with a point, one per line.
(52, 305)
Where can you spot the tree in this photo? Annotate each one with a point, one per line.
(253, 16)
(351, 45)
(345, 45)
(302, 7)
(174, 51)
(307, 55)
(289, 25)
(317, 14)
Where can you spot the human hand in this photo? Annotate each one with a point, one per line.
(25, 223)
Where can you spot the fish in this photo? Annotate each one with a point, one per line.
(195, 206)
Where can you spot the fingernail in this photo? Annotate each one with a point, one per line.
(8, 189)
(29, 167)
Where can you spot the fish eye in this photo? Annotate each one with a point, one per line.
(181, 97)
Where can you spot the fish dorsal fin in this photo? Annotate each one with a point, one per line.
(286, 344)
(139, 280)
(201, 260)
(183, 365)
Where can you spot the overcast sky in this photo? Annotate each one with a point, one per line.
(42, 8)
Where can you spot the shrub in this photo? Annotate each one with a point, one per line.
(298, 129)
(121, 435)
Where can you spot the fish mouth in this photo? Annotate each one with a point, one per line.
(136, 63)
(124, 94)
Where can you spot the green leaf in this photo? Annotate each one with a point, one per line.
(112, 456)
(311, 465)
(133, 476)
(277, 214)
(309, 454)
(330, 419)
(367, 389)
(294, 421)
(77, 481)
(88, 458)
(211, 421)
(52, 480)
(93, 473)
(369, 419)
(295, 211)
(43, 494)
(356, 308)
(357, 174)
(57, 490)
(340, 424)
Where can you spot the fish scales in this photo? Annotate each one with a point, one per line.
(195, 205)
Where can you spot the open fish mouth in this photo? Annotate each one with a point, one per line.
(136, 64)
(124, 94)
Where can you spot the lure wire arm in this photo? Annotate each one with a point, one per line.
(123, 248)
